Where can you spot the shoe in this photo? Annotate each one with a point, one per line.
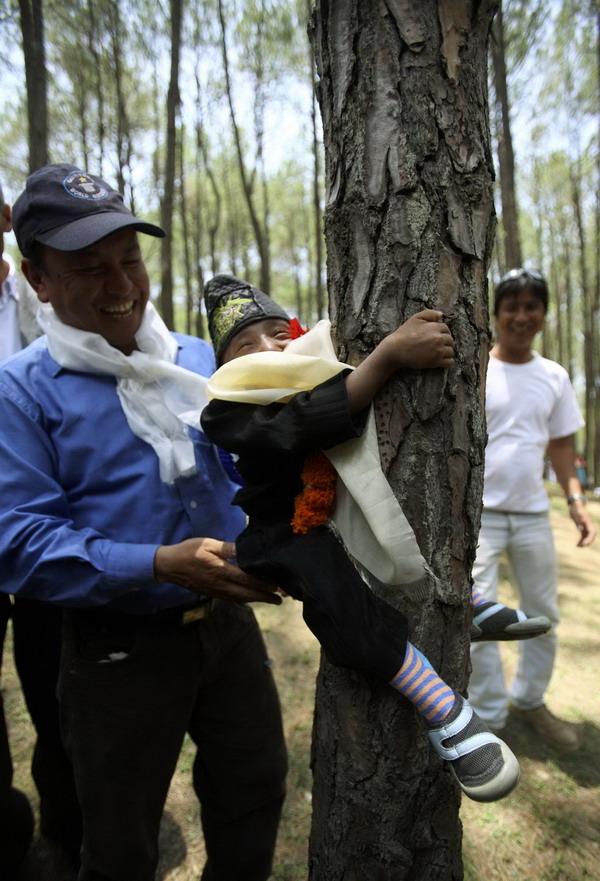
(556, 733)
(499, 622)
(485, 768)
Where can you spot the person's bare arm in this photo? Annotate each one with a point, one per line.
(562, 457)
(423, 341)
(203, 565)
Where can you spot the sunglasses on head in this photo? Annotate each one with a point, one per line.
(514, 274)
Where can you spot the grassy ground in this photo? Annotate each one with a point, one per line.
(548, 830)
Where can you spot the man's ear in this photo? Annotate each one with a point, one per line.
(36, 279)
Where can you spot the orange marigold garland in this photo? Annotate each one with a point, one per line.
(313, 506)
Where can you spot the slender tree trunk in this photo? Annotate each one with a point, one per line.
(316, 181)
(506, 157)
(570, 354)
(191, 300)
(173, 101)
(409, 223)
(98, 80)
(36, 80)
(594, 464)
(554, 342)
(247, 179)
(587, 315)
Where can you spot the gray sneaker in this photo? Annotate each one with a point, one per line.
(486, 769)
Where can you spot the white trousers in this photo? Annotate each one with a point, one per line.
(527, 541)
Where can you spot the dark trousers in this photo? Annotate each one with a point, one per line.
(356, 629)
(37, 630)
(124, 722)
(16, 817)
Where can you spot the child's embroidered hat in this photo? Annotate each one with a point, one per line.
(231, 304)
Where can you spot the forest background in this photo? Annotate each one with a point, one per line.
(205, 116)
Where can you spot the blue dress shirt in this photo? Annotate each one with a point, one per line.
(83, 508)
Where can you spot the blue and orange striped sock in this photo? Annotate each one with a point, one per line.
(479, 601)
(417, 680)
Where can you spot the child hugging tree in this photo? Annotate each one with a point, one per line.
(276, 412)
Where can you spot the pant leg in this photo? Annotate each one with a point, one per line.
(241, 763)
(37, 629)
(533, 561)
(124, 723)
(487, 688)
(356, 628)
(16, 816)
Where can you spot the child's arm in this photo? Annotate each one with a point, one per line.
(422, 341)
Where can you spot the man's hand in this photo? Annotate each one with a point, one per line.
(203, 566)
(583, 522)
(423, 341)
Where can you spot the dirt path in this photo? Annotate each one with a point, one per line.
(548, 829)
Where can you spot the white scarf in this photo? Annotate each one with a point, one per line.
(367, 515)
(159, 399)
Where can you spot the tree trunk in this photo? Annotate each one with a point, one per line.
(317, 209)
(594, 464)
(36, 81)
(409, 224)
(506, 156)
(173, 101)
(258, 228)
(98, 81)
(586, 311)
(192, 300)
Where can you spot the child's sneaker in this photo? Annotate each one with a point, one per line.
(498, 622)
(486, 769)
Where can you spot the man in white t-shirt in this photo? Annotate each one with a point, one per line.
(531, 408)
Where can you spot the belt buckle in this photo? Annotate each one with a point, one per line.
(198, 613)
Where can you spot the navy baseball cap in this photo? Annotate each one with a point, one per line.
(68, 209)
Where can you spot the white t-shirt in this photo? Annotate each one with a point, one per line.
(527, 405)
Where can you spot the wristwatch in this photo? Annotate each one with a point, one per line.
(576, 497)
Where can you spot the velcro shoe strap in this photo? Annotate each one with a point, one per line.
(437, 736)
(491, 610)
(464, 747)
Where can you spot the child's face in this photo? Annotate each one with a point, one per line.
(268, 335)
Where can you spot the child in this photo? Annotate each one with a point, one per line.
(275, 411)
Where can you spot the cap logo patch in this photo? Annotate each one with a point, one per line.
(226, 316)
(82, 186)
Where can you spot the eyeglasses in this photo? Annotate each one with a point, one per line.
(514, 274)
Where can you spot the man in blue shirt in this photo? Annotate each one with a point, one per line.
(120, 512)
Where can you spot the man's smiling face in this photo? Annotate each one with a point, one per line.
(520, 317)
(103, 288)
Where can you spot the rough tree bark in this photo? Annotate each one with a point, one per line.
(409, 224)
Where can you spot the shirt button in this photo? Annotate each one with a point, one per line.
(193, 505)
